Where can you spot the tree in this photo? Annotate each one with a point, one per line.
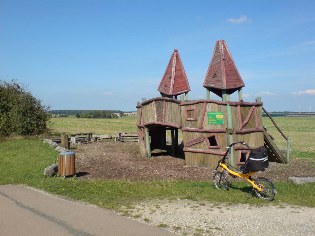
(20, 112)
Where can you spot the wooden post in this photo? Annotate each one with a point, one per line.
(147, 141)
(288, 151)
(230, 127)
(226, 98)
(258, 99)
(176, 140)
(64, 141)
(185, 96)
(240, 95)
(208, 94)
(173, 141)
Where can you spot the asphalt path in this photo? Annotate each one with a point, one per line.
(27, 211)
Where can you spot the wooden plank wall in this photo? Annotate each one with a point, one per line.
(246, 119)
(201, 160)
(172, 114)
(160, 112)
(247, 126)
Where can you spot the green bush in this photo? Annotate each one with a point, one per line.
(20, 112)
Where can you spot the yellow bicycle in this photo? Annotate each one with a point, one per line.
(263, 187)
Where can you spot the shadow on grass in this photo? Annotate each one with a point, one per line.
(245, 189)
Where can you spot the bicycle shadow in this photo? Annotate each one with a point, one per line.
(245, 189)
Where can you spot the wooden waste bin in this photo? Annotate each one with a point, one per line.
(66, 164)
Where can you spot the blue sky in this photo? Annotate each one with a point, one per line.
(93, 54)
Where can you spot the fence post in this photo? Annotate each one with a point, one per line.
(65, 141)
(288, 150)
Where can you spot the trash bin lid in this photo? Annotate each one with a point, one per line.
(68, 153)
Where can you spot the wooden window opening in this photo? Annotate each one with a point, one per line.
(191, 114)
(212, 142)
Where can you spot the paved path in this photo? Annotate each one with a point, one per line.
(27, 211)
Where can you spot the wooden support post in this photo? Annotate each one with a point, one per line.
(258, 99)
(208, 94)
(147, 141)
(240, 95)
(230, 127)
(226, 98)
(64, 141)
(173, 141)
(185, 96)
(288, 150)
(176, 140)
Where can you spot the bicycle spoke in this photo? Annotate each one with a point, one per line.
(220, 180)
(268, 190)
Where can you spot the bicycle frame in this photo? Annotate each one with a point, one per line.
(246, 176)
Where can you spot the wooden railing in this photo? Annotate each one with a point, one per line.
(287, 138)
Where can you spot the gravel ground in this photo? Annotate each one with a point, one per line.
(186, 217)
(111, 160)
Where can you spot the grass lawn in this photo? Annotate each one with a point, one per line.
(73, 125)
(22, 161)
(301, 131)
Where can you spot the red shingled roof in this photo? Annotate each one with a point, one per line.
(222, 73)
(174, 81)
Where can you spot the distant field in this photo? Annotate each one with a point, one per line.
(300, 129)
(73, 125)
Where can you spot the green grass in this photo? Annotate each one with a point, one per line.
(73, 125)
(22, 161)
(301, 131)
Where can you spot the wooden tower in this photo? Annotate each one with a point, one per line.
(222, 76)
(174, 81)
(223, 79)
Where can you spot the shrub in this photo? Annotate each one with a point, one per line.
(20, 112)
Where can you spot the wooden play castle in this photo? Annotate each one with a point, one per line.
(208, 126)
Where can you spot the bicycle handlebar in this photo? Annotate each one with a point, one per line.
(229, 148)
(240, 142)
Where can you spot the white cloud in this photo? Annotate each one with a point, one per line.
(242, 19)
(265, 93)
(305, 92)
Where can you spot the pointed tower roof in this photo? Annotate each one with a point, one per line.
(174, 81)
(222, 73)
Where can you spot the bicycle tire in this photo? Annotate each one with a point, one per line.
(268, 190)
(220, 180)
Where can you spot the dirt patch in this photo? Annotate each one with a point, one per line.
(116, 160)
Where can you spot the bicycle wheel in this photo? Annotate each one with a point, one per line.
(220, 180)
(268, 190)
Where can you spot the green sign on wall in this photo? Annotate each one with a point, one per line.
(215, 118)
